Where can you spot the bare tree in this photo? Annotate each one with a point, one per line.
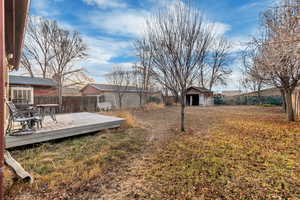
(37, 53)
(121, 79)
(144, 67)
(253, 77)
(203, 78)
(219, 63)
(216, 69)
(178, 40)
(52, 52)
(78, 79)
(139, 81)
(279, 50)
(68, 49)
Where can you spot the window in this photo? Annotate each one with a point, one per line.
(100, 98)
(22, 95)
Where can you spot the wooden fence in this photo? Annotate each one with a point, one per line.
(70, 104)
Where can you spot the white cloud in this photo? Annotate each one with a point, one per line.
(101, 52)
(107, 3)
(102, 49)
(238, 43)
(43, 8)
(121, 22)
(133, 22)
(219, 29)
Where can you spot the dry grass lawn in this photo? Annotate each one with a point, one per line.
(227, 153)
(63, 169)
(247, 154)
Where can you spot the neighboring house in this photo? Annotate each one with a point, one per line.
(109, 93)
(198, 96)
(229, 93)
(71, 91)
(23, 89)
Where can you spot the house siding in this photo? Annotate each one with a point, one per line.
(90, 90)
(44, 91)
(40, 90)
(129, 99)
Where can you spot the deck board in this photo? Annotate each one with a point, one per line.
(68, 125)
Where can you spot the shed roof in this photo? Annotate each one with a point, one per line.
(24, 80)
(200, 89)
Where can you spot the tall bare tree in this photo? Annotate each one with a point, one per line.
(253, 78)
(218, 63)
(68, 49)
(279, 49)
(139, 81)
(37, 53)
(121, 79)
(144, 66)
(216, 69)
(52, 52)
(178, 40)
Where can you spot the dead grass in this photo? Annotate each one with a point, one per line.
(228, 153)
(69, 165)
(245, 156)
(153, 106)
(130, 121)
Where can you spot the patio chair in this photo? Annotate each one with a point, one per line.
(27, 119)
(104, 106)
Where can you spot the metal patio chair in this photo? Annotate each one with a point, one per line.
(27, 119)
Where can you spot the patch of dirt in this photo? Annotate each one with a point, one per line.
(126, 181)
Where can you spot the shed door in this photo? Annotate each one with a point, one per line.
(201, 99)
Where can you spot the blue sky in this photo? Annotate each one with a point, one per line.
(109, 26)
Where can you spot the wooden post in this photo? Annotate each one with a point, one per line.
(2, 95)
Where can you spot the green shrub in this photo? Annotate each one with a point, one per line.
(219, 100)
(250, 100)
(153, 100)
(266, 105)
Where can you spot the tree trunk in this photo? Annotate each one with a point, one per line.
(141, 99)
(283, 100)
(165, 96)
(289, 106)
(120, 102)
(259, 94)
(182, 119)
(60, 88)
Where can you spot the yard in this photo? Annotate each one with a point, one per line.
(227, 153)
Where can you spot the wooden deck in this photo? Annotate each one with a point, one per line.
(67, 125)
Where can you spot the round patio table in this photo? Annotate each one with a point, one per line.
(48, 109)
